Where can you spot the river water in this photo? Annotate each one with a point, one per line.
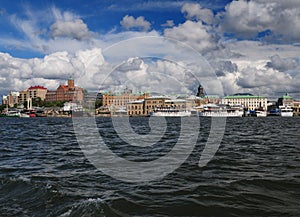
(255, 172)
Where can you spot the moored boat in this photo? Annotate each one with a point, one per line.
(213, 110)
(286, 111)
(261, 113)
(169, 112)
(24, 115)
(13, 113)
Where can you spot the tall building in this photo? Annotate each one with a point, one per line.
(37, 92)
(4, 100)
(33, 92)
(24, 95)
(68, 92)
(11, 99)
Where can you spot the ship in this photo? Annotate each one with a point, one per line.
(213, 110)
(169, 112)
(286, 111)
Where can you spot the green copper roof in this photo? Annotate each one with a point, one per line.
(210, 96)
(286, 96)
(243, 97)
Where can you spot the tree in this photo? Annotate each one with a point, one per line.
(98, 103)
(37, 102)
(2, 107)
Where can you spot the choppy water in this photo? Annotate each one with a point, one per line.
(256, 172)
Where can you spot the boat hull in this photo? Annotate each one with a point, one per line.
(170, 114)
(23, 115)
(261, 114)
(220, 114)
(286, 114)
(286, 111)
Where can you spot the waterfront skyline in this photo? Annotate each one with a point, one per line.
(253, 46)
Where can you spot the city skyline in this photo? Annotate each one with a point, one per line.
(252, 46)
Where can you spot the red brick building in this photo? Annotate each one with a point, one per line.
(68, 92)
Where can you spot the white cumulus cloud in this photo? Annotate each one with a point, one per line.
(196, 12)
(168, 23)
(195, 34)
(129, 22)
(54, 69)
(276, 19)
(75, 29)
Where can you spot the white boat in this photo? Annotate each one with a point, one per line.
(70, 106)
(213, 110)
(286, 111)
(24, 115)
(169, 112)
(261, 113)
(13, 114)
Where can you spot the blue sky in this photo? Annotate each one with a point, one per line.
(101, 17)
(245, 42)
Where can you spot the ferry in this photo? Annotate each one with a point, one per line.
(213, 110)
(286, 111)
(169, 112)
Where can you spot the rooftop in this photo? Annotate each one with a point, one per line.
(158, 97)
(287, 96)
(243, 97)
(37, 87)
(175, 100)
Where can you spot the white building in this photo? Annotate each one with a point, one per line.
(246, 100)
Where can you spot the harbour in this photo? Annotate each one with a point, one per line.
(150, 108)
(255, 172)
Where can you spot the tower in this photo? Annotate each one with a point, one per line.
(71, 85)
(200, 92)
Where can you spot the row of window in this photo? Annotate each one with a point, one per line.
(135, 112)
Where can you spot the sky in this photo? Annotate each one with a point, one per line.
(250, 46)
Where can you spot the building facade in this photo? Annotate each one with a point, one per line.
(68, 92)
(135, 108)
(23, 96)
(153, 102)
(248, 101)
(285, 100)
(296, 108)
(33, 92)
(11, 99)
(37, 92)
(149, 104)
(120, 100)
